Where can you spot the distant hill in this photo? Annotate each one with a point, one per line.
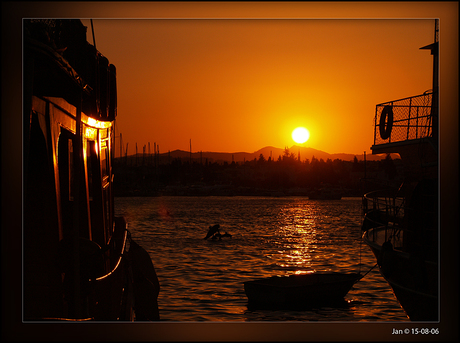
(267, 152)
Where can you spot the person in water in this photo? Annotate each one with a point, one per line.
(213, 230)
(220, 236)
(216, 236)
(214, 233)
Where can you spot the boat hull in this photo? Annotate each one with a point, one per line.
(299, 291)
(412, 280)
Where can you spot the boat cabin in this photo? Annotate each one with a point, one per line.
(73, 244)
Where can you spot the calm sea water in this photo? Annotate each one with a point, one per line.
(202, 280)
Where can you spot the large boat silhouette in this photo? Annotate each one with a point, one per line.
(79, 260)
(401, 223)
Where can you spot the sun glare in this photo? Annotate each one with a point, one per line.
(300, 135)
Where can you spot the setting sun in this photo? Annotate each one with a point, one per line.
(300, 135)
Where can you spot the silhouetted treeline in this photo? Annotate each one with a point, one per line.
(285, 176)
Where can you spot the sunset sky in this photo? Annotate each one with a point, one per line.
(239, 76)
(232, 85)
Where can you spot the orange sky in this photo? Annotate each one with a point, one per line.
(235, 85)
(240, 85)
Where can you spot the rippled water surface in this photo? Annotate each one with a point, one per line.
(202, 280)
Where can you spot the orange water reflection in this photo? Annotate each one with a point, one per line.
(296, 239)
(304, 236)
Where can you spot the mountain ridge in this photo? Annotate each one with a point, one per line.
(268, 152)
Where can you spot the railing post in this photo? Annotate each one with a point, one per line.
(408, 117)
(392, 107)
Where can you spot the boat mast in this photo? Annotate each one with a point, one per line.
(92, 31)
(434, 47)
(435, 53)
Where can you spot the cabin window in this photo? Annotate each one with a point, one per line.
(103, 133)
(96, 195)
(107, 209)
(90, 133)
(71, 171)
(66, 179)
(104, 158)
(89, 168)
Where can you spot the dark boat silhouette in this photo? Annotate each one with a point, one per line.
(78, 260)
(400, 224)
(299, 291)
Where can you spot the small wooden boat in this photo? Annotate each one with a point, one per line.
(299, 291)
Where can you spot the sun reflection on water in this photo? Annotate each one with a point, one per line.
(296, 237)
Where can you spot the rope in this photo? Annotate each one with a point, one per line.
(366, 272)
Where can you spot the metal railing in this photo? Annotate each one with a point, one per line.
(391, 206)
(411, 118)
(387, 211)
